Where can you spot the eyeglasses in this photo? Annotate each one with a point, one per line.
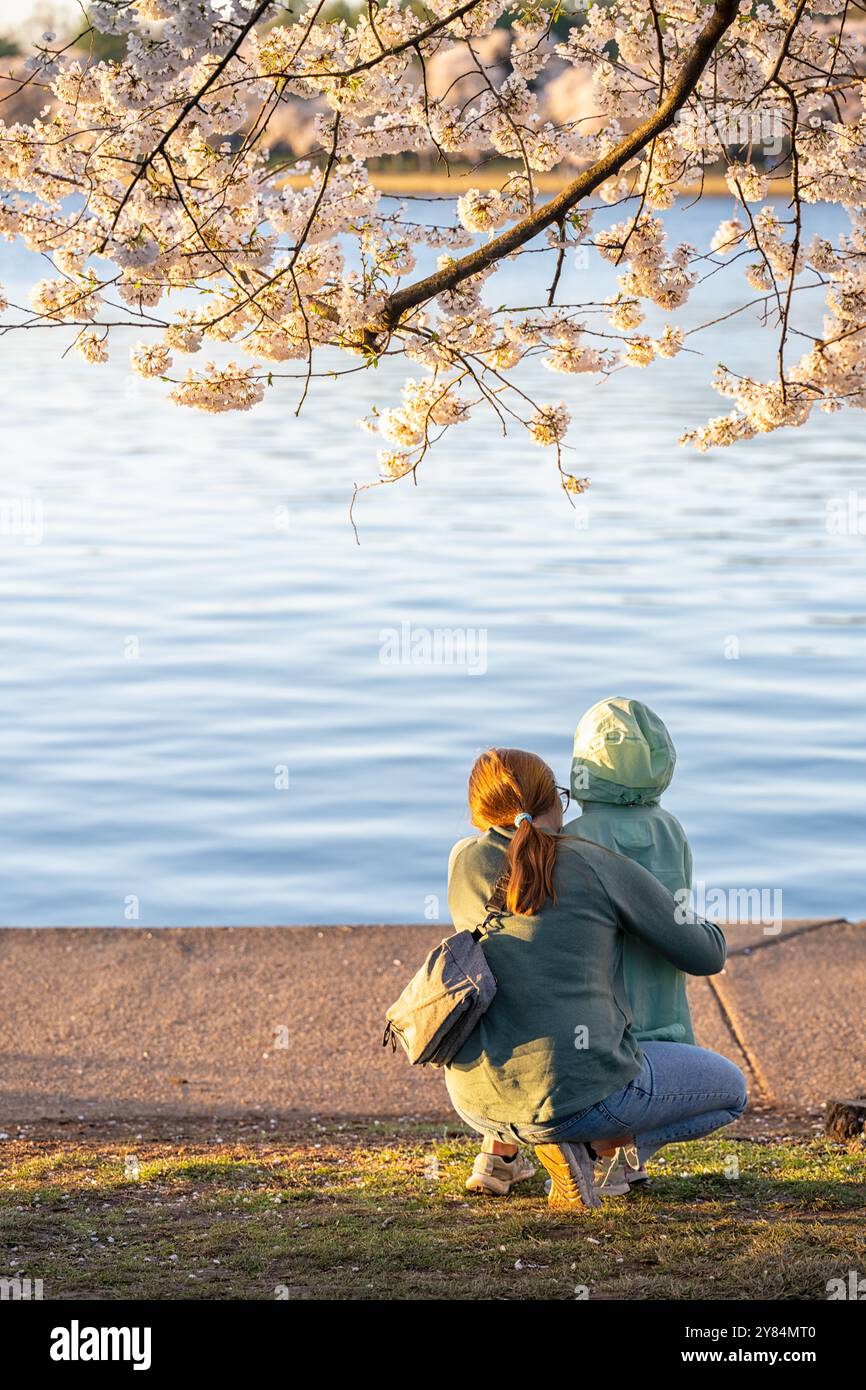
(565, 797)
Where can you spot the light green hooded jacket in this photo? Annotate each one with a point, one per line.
(622, 762)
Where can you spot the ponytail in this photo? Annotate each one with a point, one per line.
(509, 787)
(531, 858)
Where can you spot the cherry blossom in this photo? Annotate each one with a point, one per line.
(155, 190)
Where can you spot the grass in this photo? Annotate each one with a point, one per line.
(355, 1212)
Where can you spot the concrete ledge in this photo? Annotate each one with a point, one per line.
(278, 1021)
(207, 1021)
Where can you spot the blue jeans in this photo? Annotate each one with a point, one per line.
(681, 1092)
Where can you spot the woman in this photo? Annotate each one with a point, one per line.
(553, 1061)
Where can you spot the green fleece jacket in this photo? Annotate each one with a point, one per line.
(622, 762)
(557, 1036)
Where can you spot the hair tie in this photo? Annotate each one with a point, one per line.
(522, 816)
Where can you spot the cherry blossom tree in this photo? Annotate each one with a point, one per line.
(150, 186)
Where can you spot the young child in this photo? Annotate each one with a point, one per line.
(623, 760)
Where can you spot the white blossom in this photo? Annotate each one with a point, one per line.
(150, 359)
(218, 389)
(549, 425)
(153, 187)
(92, 347)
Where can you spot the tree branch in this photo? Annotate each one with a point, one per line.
(187, 108)
(724, 13)
(393, 52)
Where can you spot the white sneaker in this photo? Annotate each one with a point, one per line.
(634, 1170)
(496, 1176)
(611, 1176)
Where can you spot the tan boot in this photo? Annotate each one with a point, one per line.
(571, 1171)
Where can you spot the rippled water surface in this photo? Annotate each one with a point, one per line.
(219, 549)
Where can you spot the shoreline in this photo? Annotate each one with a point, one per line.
(437, 184)
(434, 183)
(117, 1025)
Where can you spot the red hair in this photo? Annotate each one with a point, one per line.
(504, 782)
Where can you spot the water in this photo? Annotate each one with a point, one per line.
(219, 548)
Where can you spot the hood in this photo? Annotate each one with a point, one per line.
(623, 754)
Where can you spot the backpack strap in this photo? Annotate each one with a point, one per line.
(495, 905)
